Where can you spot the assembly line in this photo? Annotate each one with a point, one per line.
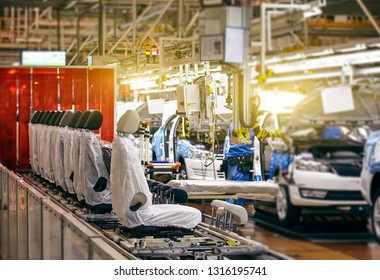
(189, 130)
(146, 219)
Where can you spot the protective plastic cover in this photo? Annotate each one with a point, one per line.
(67, 159)
(48, 154)
(226, 187)
(41, 134)
(94, 176)
(58, 160)
(127, 178)
(35, 153)
(75, 160)
(31, 128)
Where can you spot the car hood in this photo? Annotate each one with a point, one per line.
(309, 115)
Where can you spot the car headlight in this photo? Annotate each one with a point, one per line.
(307, 193)
(312, 165)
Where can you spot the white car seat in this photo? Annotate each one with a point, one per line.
(76, 175)
(42, 145)
(94, 176)
(68, 154)
(31, 130)
(58, 160)
(131, 198)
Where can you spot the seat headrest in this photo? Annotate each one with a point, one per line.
(58, 119)
(82, 120)
(129, 122)
(43, 117)
(53, 118)
(66, 119)
(35, 116)
(48, 118)
(75, 119)
(94, 121)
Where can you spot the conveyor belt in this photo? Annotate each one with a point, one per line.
(205, 242)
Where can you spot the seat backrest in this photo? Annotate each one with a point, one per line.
(126, 169)
(93, 174)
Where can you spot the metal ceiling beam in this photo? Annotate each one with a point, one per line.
(369, 15)
(129, 29)
(167, 6)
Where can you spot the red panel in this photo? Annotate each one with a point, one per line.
(66, 88)
(8, 117)
(23, 117)
(108, 104)
(45, 89)
(80, 89)
(95, 77)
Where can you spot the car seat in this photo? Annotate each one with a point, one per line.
(131, 198)
(94, 176)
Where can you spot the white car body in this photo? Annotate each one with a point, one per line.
(333, 187)
(323, 181)
(370, 178)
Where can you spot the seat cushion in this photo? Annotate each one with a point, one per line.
(166, 215)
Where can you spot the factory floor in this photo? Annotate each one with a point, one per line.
(356, 244)
(300, 249)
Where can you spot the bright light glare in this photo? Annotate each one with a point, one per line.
(279, 101)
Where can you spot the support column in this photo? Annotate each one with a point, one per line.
(101, 29)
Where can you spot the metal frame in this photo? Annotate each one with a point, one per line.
(35, 199)
(49, 210)
(22, 225)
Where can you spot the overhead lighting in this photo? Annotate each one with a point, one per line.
(294, 57)
(357, 47)
(170, 89)
(322, 53)
(312, 13)
(271, 60)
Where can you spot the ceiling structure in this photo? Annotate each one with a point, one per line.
(120, 30)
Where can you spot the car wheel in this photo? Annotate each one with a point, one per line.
(286, 212)
(375, 217)
(182, 171)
